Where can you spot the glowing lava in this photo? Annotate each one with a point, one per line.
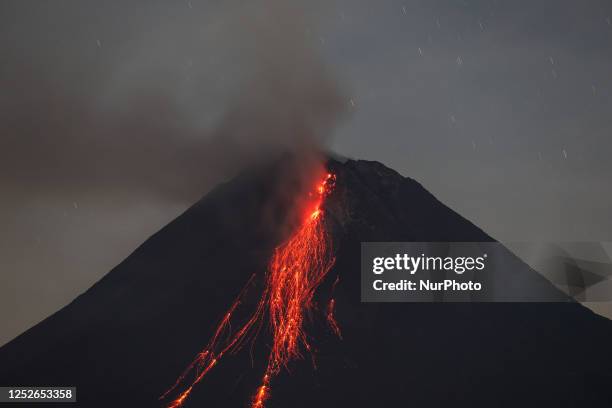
(296, 269)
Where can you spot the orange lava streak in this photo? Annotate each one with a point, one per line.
(208, 358)
(262, 393)
(331, 312)
(295, 271)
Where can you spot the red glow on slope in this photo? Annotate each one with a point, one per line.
(296, 269)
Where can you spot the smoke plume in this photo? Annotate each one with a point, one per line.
(162, 101)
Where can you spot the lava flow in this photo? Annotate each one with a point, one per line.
(296, 269)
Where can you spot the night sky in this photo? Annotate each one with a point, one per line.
(114, 118)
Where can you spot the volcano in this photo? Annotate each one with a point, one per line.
(124, 342)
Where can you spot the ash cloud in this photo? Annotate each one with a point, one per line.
(162, 101)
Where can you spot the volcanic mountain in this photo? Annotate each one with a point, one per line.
(125, 341)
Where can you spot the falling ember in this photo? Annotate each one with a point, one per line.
(295, 271)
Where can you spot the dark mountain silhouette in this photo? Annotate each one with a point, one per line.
(125, 340)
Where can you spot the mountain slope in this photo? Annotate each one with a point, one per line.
(125, 340)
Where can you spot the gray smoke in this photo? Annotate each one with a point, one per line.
(181, 100)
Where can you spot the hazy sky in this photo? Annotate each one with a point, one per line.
(503, 110)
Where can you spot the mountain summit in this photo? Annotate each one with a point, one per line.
(125, 340)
